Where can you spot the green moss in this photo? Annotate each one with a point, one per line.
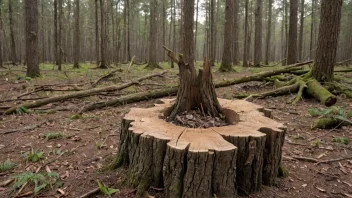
(283, 172)
(325, 123)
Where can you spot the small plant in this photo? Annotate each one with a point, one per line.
(22, 110)
(52, 136)
(298, 137)
(315, 143)
(33, 156)
(331, 112)
(341, 140)
(40, 180)
(7, 165)
(106, 190)
(76, 117)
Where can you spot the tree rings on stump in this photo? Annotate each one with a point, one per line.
(189, 162)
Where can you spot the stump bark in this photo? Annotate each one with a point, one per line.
(189, 162)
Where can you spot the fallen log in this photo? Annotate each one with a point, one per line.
(79, 94)
(159, 93)
(262, 75)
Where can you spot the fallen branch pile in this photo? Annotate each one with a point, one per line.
(79, 94)
(171, 91)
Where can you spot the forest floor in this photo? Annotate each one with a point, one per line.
(91, 141)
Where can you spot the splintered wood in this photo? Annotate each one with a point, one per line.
(201, 162)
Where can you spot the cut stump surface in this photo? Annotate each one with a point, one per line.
(191, 162)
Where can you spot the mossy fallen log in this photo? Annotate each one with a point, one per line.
(329, 123)
(315, 89)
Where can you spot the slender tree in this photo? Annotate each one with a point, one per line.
(300, 41)
(32, 51)
(61, 13)
(258, 33)
(268, 34)
(103, 35)
(235, 29)
(292, 37)
(76, 46)
(226, 63)
(212, 32)
(12, 35)
(56, 33)
(246, 36)
(329, 29)
(152, 35)
(312, 27)
(1, 58)
(97, 55)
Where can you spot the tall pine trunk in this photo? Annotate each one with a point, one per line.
(76, 46)
(268, 34)
(32, 51)
(12, 35)
(235, 29)
(103, 35)
(329, 29)
(300, 42)
(246, 36)
(258, 33)
(226, 63)
(59, 35)
(97, 33)
(292, 37)
(152, 63)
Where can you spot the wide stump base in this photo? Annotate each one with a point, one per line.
(201, 163)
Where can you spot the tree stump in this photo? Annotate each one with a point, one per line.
(189, 162)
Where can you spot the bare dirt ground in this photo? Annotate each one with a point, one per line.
(91, 142)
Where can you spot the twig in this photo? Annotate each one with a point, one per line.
(108, 75)
(95, 190)
(307, 159)
(22, 129)
(6, 182)
(334, 160)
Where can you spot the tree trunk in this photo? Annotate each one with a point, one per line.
(246, 36)
(1, 26)
(292, 37)
(329, 29)
(196, 33)
(103, 35)
(268, 34)
(300, 42)
(236, 31)
(226, 64)
(152, 63)
(31, 23)
(311, 44)
(12, 35)
(77, 38)
(97, 33)
(197, 163)
(258, 33)
(60, 15)
(212, 31)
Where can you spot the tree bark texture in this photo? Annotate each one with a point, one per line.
(292, 36)
(201, 162)
(329, 29)
(32, 50)
(268, 34)
(77, 38)
(258, 33)
(12, 35)
(226, 63)
(246, 36)
(152, 63)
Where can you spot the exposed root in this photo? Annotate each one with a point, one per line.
(300, 85)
